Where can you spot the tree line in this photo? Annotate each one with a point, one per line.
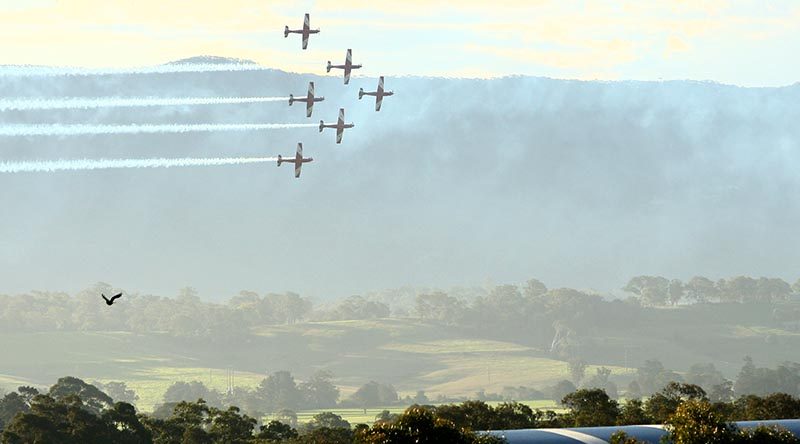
(73, 411)
(188, 315)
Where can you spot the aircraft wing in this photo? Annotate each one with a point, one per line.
(310, 101)
(341, 117)
(305, 40)
(349, 60)
(339, 133)
(306, 22)
(300, 150)
(347, 74)
(297, 167)
(380, 85)
(378, 102)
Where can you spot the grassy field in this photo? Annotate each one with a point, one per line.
(407, 353)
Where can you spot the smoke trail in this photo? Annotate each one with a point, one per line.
(104, 164)
(79, 129)
(53, 71)
(22, 104)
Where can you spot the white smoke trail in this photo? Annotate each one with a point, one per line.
(80, 129)
(104, 164)
(23, 104)
(55, 71)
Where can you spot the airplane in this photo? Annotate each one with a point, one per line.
(298, 160)
(306, 31)
(379, 94)
(340, 126)
(348, 65)
(310, 99)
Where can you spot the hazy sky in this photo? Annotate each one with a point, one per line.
(454, 182)
(744, 42)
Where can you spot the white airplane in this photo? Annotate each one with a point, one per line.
(298, 160)
(347, 67)
(379, 94)
(339, 125)
(306, 31)
(310, 99)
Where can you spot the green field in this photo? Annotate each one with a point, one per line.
(407, 353)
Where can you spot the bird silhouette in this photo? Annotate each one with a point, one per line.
(111, 301)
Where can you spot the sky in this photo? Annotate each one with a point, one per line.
(744, 42)
(457, 181)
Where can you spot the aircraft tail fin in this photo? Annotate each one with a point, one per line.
(328, 68)
(286, 31)
(321, 127)
(280, 160)
(360, 93)
(291, 99)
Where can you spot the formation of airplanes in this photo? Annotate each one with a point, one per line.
(311, 98)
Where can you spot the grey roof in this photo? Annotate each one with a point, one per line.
(601, 435)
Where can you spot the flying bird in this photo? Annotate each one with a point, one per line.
(113, 298)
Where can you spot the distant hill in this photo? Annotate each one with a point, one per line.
(454, 181)
(212, 60)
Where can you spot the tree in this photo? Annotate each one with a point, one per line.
(92, 398)
(328, 420)
(601, 379)
(277, 431)
(374, 394)
(534, 288)
(230, 427)
(562, 389)
(356, 307)
(653, 290)
(67, 421)
(766, 435)
(664, 403)
(439, 306)
(738, 289)
(473, 415)
(420, 425)
(191, 391)
(675, 291)
(696, 422)
(620, 437)
(591, 407)
(11, 404)
(701, 289)
(119, 391)
(633, 391)
(774, 406)
(386, 416)
(279, 391)
(577, 370)
(319, 392)
(632, 413)
(130, 430)
(705, 375)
